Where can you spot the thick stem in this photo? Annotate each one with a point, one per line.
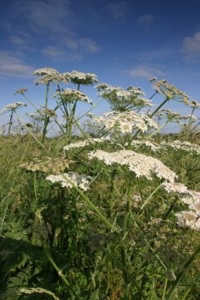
(10, 122)
(46, 118)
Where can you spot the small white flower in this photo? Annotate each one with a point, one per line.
(70, 95)
(185, 146)
(175, 187)
(140, 164)
(69, 179)
(84, 143)
(12, 107)
(121, 99)
(189, 219)
(125, 122)
(45, 71)
(81, 78)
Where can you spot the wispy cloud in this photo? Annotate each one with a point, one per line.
(191, 46)
(118, 9)
(21, 40)
(145, 72)
(45, 16)
(48, 23)
(88, 45)
(146, 20)
(13, 66)
(58, 54)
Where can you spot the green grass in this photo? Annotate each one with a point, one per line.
(120, 238)
(54, 241)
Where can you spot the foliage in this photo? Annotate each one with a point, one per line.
(97, 217)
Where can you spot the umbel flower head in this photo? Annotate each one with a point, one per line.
(122, 100)
(81, 78)
(140, 164)
(87, 142)
(190, 218)
(69, 95)
(125, 122)
(69, 179)
(12, 107)
(45, 71)
(169, 90)
(183, 146)
(48, 75)
(49, 165)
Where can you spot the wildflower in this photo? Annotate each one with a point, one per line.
(81, 78)
(184, 146)
(69, 179)
(21, 91)
(121, 99)
(152, 145)
(140, 164)
(194, 104)
(175, 187)
(169, 115)
(125, 122)
(12, 107)
(169, 91)
(49, 75)
(189, 219)
(69, 95)
(48, 165)
(45, 71)
(84, 143)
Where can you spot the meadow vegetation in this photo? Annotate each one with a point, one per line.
(109, 208)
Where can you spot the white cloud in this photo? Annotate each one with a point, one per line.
(145, 72)
(88, 45)
(21, 40)
(12, 66)
(44, 16)
(47, 30)
(146, 20)
(57, 54)
(191, 45)
(118, 9)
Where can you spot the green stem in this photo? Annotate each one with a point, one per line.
(22, 122)
(182, 273)
(159, 107)
(59, 271)
(10, 122)
(149, 198)
(46, 118)
(101, 216)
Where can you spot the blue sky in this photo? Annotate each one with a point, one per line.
(122, 42)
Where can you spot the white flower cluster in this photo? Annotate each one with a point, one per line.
(169, 91)
(69, 179)
(125, 122)
(45, 71)
(87, 142)
(175, 187)
(186, 146)
(148, 144)
(12, 106)
(81, 78)
(70, 95)
(194, 104)
(191, 217)
(140, 164)
(123, 99)
(49, 75)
